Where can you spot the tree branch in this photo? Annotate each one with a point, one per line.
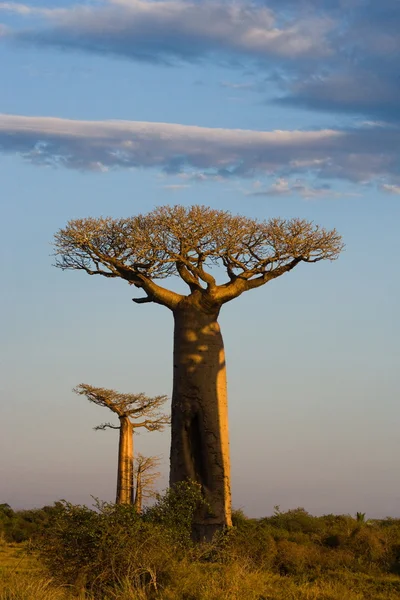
(153, 425)
(187, 276)
(105, 426)
(243, 283)
(273, 274)
(144, 300)
(206, 277)
(186, 241)
(99, 272)
(159, 294)
(128, 407)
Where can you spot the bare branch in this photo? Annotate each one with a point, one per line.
(154, 425)
(206, 277)
(105, 426)
(188, 242)
(134, 406)
(99, 396)
(144, 300)
(158, 294)
(187, 276)
(273, 274)
(146, 475)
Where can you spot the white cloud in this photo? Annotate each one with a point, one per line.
(26, 11)
(170, 146)
(391, 188)
(176, 187)
(200, 153)
(334, 55)
(285, 187)
(238, 86)
(14, 7)
(171, 29)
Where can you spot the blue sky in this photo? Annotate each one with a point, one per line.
(266, 109)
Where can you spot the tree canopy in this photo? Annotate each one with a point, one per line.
(188, 242)
(134, 406)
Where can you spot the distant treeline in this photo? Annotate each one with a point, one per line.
(21, 525)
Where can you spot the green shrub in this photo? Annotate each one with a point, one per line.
(240, 520)
(98, 549)
(295, 559)
(367, 544)
(175, 510)
(254, 545)
(296, 520)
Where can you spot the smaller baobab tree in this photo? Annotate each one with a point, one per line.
(145, 476)
(134, 411)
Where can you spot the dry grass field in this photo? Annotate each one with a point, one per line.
(112, 553)
(23, 578)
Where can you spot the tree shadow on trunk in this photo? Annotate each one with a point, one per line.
(200, 447)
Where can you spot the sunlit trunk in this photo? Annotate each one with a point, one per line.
(139, 492)
(200, 440)
(125, 463)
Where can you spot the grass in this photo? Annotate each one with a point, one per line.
(14, 559)
(111, 553)
(23, 578)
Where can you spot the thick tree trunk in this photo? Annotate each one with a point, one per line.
(125, 463)
(200, 439)
(139, 492)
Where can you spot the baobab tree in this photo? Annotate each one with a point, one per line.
(189, 242)
(145, 476)
(134, 411)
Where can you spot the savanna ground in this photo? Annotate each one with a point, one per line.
(110, 553)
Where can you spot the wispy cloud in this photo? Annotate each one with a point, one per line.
(391, 188)
(331, 55)
(361, 76)
(14, 7)
(176, 187)
(27, 10)
(238, 86)
(298, 187)
(166, 30)
(199, 153)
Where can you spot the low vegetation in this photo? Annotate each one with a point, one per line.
(111, 552)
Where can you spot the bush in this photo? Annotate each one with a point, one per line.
(176, 509)
(295, 559)
(296, 520)
(248, 545)
(98, 549)
(367, 544)
(112, 552)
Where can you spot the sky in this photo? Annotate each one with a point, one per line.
(284, 108)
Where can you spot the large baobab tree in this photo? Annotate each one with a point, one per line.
(134, 411)
(189, 242)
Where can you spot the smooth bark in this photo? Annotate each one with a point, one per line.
(125, 462)
(200, 438)
(139, 492)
